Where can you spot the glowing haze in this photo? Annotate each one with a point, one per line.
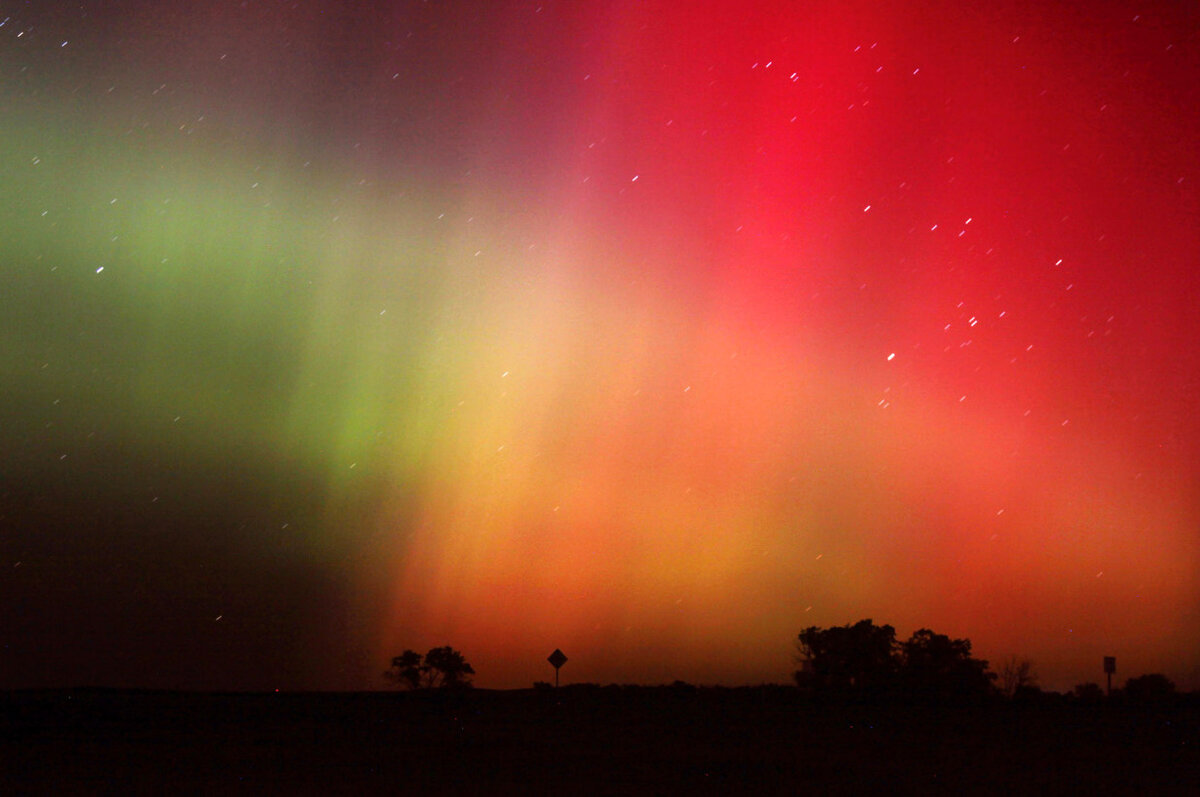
(655, 332)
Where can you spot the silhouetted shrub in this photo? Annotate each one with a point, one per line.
(1149, 688)
(1027, 693)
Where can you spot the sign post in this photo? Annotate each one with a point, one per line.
(557, 659)
(1110, 666)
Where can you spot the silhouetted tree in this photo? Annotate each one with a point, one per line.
(848, 658)
(865, 659)
(443, 667)
(934, 666)
(1150, 688)
(406, 670)
(1016, 674)
(447, 668)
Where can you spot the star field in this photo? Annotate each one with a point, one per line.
(652, 331)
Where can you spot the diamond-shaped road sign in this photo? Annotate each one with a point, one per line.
(558, 659)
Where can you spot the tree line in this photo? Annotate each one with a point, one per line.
(859, 661)
(866, 660)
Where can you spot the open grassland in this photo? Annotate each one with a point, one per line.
(584, 740)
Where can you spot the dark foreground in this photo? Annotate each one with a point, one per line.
(590, 741)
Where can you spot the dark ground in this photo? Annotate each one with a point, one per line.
(588, 740)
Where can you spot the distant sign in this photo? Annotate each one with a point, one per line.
(558, 659)
(1110, 664)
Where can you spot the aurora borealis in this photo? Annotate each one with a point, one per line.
(650, 331)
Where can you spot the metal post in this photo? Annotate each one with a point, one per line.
(557, 659)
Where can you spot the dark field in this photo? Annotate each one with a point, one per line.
(584, 740)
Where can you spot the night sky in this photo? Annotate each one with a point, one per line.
(651, 331)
